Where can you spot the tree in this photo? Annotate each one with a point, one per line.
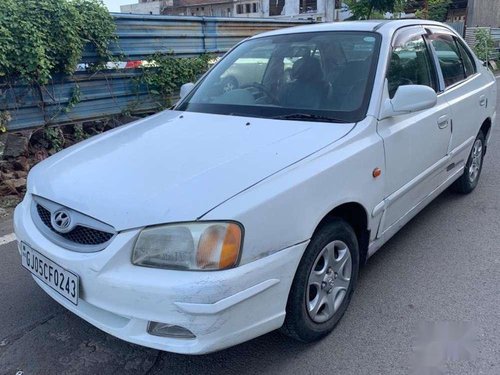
(436, 10)
(484, 47)
(365, 9)
(399, 7)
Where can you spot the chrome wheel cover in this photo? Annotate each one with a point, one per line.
(476, 160)
(328, 281)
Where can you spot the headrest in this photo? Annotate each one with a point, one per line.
(307, 69)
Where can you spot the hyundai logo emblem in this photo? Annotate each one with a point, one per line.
(61, 221)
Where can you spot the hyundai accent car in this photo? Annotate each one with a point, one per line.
(249, 209)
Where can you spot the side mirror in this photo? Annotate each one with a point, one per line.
(409, 98)
(186, 89)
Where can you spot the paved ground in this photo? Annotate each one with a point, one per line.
(443, 266)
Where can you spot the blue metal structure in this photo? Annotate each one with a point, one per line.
(115, 91)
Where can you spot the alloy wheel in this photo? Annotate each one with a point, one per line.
(477, 158)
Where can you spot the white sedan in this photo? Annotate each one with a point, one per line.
(251, 208)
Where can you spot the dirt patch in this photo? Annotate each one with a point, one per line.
(7, 205)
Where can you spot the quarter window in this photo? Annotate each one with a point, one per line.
(410, 64)
(449, 58)
(469, 65)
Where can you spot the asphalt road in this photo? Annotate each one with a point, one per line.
(444, 266)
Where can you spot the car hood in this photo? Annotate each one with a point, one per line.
(174, 166)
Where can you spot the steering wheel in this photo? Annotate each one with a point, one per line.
(260, 90)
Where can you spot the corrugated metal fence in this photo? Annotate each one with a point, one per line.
(115, 91)
(459, 27)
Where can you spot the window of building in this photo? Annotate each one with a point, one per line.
(247, 7)
(308, 6)
(239, 9)
(255, 8)
(276, 7)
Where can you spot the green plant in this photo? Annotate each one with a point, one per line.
(485, 44)
(169, 73)
(366, 9)
(4, 120)
(55, 137)
(78, 133)
(74, 99)
(399, 8)
(39, 38)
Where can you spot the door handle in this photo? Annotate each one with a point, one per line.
(483, 100)
(443, 121)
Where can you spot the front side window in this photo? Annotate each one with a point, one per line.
(449, 58)
(410, 64)
(325, 75)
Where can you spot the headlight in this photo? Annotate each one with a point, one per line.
(189, 246)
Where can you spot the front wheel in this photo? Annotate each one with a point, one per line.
(469, 179)
(324, 283)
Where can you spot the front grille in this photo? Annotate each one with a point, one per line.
(80, 234)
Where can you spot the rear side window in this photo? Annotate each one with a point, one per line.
(468, 61)
(410, 64)
(450, 59)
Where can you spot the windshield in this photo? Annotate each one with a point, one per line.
(323, 76)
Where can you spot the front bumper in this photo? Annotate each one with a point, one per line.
(221, 308)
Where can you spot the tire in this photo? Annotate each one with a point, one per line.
(306, 320)
(468, 181)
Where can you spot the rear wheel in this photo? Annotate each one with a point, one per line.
(472, 171)
(324, 282)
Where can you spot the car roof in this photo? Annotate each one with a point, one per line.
(384, 27)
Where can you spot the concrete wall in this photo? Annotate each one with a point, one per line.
(142, 8)
(483, 13)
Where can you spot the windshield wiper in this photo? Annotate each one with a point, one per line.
(308, 116)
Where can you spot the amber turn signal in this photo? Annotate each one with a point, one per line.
(219, 246)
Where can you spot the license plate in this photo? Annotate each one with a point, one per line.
(61, 280)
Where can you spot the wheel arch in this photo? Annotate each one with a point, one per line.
(356, 216)
(486, 128)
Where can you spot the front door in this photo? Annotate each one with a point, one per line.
(416, 144)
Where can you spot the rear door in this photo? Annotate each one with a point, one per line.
(464, 90)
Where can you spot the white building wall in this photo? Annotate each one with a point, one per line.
(325, 11)
(141, 8)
